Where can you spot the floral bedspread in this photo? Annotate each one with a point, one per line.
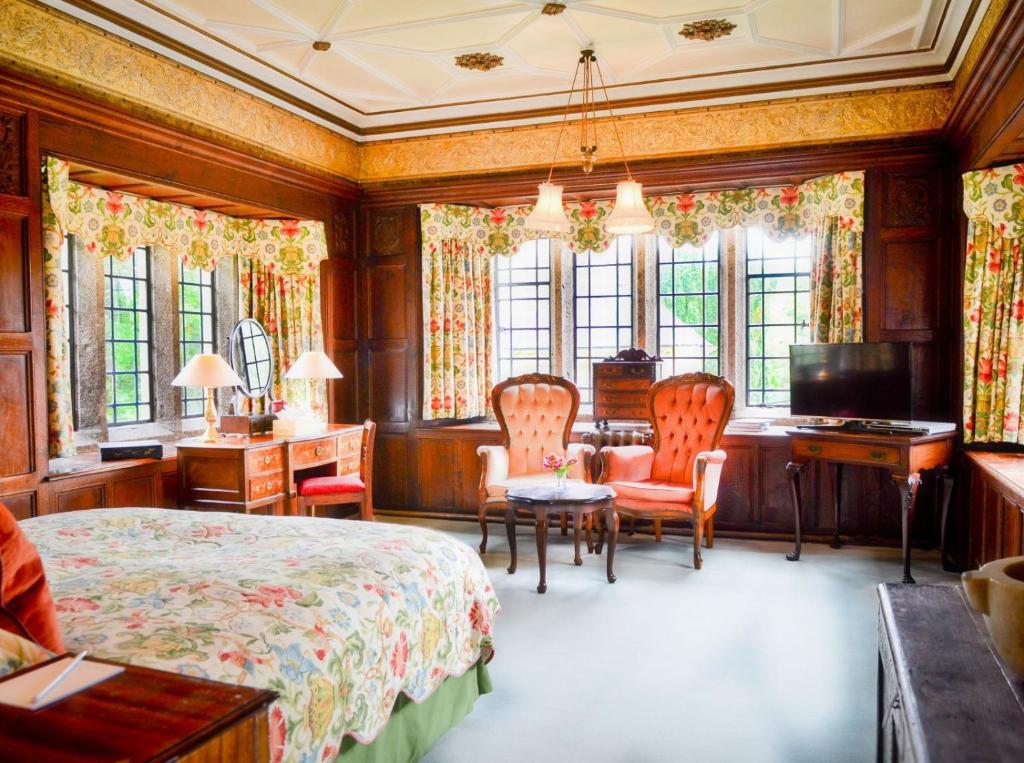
(337, 616)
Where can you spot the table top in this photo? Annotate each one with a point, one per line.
(958, 692)
(574, 492)
(244, 441)
(140, 714)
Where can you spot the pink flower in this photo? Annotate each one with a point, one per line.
(1011, 421)
(478, 619)
(290, 228)
(1018, 178)
(199, 219)
(588, 210)
(271, 595)
(115, 202)
(789, 196)
(400, 656)
(277, 735)
(1018, 309)
(985, 370)
(76, 604)
(498, 216)
(1001, 367)
(993, 260)
(686, 203)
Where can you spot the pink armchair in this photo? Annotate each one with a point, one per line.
(678, 477)
(536, 413)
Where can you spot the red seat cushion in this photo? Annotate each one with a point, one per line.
(653, 490)
(331, 485)
(26, 606)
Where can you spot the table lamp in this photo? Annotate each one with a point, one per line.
(207, 371)
(313, 364)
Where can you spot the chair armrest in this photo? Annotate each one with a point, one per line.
(707, 473)
(627, 463)
(493, 465)
(583, 452)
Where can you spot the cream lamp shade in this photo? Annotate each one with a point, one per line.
(630, 214)
(207, 371)
(548, 214)
(313, 364)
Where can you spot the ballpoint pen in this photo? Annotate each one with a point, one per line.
(63, 674)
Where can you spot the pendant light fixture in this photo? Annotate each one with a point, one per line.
(629, 214)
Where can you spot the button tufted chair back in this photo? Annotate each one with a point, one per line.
(689, 414)
(536, 413)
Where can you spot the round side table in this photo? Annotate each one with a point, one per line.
(578, 499)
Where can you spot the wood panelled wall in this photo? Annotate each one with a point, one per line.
(37, 120)
(909, 296)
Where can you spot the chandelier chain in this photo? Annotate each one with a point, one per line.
(565, 117)
(615, 124)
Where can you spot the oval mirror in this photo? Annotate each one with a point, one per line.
(251, 357)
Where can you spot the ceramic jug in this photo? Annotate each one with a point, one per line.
(997, 592)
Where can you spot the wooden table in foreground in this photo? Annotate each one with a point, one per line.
(143, 715)
(579, 500)
(904, 456)
(943, 694)
(259, 472)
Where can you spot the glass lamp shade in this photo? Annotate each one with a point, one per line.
(629, 215)
(548, 213)
(207, 370)
(313, 364)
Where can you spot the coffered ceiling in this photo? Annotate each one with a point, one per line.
(389, 68)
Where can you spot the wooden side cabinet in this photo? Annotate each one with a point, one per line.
(943, 695)
(144, 715)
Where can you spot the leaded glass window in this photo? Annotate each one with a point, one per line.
(689, 336)
(126, 304)
(197, 326)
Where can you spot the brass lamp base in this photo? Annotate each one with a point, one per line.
(211, 434)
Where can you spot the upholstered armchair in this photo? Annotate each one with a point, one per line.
(678, 477)
(536, 413)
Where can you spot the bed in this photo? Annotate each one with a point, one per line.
(354, 624)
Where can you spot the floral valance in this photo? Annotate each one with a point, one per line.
(687, 218)
(997, 196)
(115, 223)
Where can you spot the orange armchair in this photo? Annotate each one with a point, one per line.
(536, 413)
(678, 477)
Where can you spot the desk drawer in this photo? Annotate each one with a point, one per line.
(350, 444)
(851, 452)
(266, 486)
(624, 371)
(615, 383)
(348, 465)
(314, 452)
(266, 460)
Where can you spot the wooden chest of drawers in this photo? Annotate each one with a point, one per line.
(620, 386)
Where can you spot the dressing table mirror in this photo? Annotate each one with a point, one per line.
(252, 358)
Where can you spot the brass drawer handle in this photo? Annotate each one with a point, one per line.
(814, 448)
(267, 458)
(877, 455)
(270, 486)
(320, 450)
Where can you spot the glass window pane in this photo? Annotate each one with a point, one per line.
(196, 326)
(522, 312)
(603, 317)
(688, 307)
(778, 307)
(126, 324)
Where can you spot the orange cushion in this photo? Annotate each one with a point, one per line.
(653, 490)
(350, 483)
(26, 606)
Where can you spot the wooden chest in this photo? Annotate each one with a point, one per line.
(621, 384)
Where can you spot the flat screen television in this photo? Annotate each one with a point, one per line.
(870, 381)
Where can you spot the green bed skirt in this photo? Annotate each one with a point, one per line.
(413, 729)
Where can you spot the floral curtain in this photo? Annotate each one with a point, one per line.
(280, 258)
(59, 421)
(994, 305)
(687, 218)
(837, 283)
(288, 307)
(457, 337)
(113, 223)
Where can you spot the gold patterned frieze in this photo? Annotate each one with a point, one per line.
(61, 49)
(794, 122)
(985, 29)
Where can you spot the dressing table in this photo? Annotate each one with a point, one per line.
(258, 473)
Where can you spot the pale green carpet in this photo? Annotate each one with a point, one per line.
(751, 659)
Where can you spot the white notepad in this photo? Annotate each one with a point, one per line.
(19, 691)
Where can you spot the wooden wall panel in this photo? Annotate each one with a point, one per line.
(386, 299)
(17, 455)
(21, 505)
(738, 503)
(391, 487)
(135, 491)
(14, 298)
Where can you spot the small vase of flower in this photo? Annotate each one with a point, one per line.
(560, 466)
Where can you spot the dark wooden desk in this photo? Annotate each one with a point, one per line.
(253, 472)
(943, 695)
(579, 500)
(904, 456)
(143, 715)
